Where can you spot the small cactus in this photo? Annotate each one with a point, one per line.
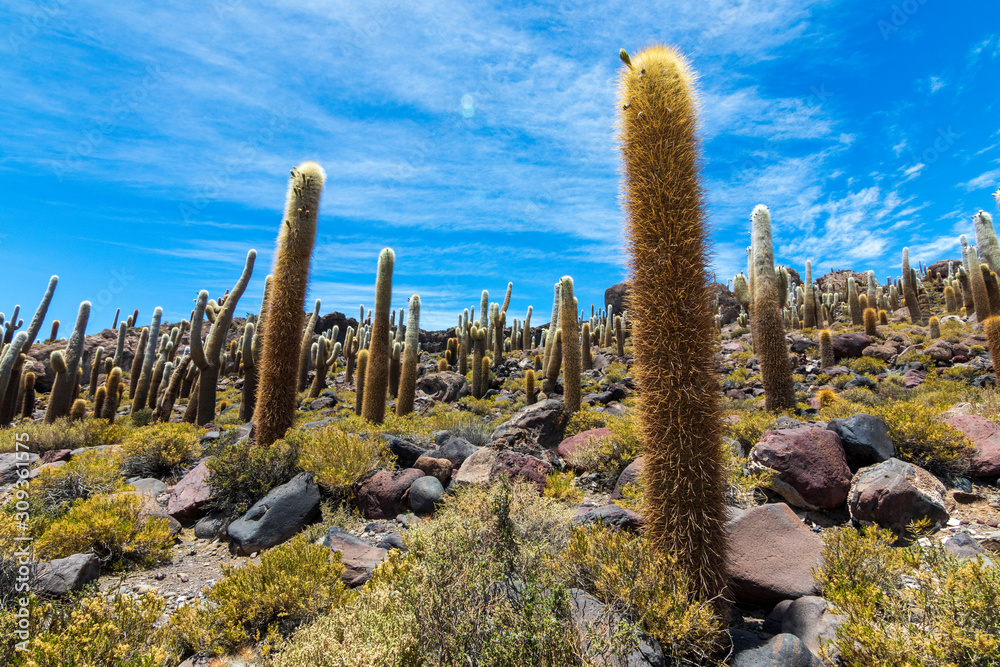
(870, 319)
(935, 328)
(826, 359)
(28, 402)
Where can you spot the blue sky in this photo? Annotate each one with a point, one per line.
(146, 148)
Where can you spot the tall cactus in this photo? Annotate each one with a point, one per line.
(43, 307)
(306, 346)
(570, 347)
(249, 367)
(9, 360)
(526, 333)
(673, 339)
(137, 359)
(986, 239)
(377, 374)
(765, 319)
(980, 296)
(408, 368)
(61, 397)
(910, 288)
(148, 362)
(207, 355)
(276, 392)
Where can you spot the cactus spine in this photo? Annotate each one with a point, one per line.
(137, 359)
(95, 369)
(9, 360)
(950, 302)
(408, 367)
(854, 303)
(765, 319)
(377, 375)
(571, 347)
(673, 340)
(478, 352)
(274, 411)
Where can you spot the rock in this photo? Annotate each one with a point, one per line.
(861, 381)
(963, 545)
(54, 455)
(985, 435)
(850, 345)
(425, 494)
(616, 296)
(772, 555)
(611, 516)
(392, 541)
(190, 494)
(809, 619)
(568, 446)
(454, 449)
(524, 466)
(277, 516)
(865, 439)
(439, 468)
(883, 351)
(772, 624)
(533, 426)
(593, 619)
(149, 486)
(476, 469)
(381, 495)
(893, 493)
(913, 378)
(783, 650)
(359, 558)
(151, 508)
(631, 474)
(323, 402)
(210, 527)
(406, 452)
(445, 386)
(812, 470)
(12, 463)
(63, 575)
(614, 393)
(939, 350)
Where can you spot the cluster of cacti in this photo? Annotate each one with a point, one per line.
(67, 384)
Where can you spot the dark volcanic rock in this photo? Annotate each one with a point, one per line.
(531, 427)
(617, 297)
(894, 493)
(277, 516)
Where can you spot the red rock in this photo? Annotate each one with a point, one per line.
(811, 465)
(381, 496)
(850, 345)
(54, 455)
(985, 435)
(893, 493)
(629, 475)
(190, 494)
(440, 468)
(524, 466)
(568, 446)
(772, 555)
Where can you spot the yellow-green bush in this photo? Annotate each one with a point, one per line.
(93, 631)
(112, 526)
(920, 438)
(61, 434)
(648, 587)
(584, 419)
(608, 456)
(161, 450)
(748, 426)
(262, 601)
(86, 474)
(867, 365)
(338, 459)
(614, 372)
(559, 486)
(909, 606)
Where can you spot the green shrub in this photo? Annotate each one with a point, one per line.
(909, 606)
(614, 372)
(161, 450)
(243, 473)
(862, 396)
(648, 587)
(867, 365)
(748, 426)
(61, 434)
(263, 601)
(921, 439)
(141, 417)
(87, 474)
(113, 527)
(337, 459)
(559, 486)
(585, 419)
(91, 631)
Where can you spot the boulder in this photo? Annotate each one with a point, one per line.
(63, 575)
(883, 351)
(149, 486)
(594, 621)
(810, 619)
(811, 466)
(151, 508)
(893, 493)
(533, 426)
(523, 466)
(445, 386)
(54, 455)
(425, 494)
(11, 463)
(406, 452)
(568, 446)
(772, 555)
(439, 468)
(963, 545)
(865, 439)
(211, 527)
(188, 497)
(783, 650)
(850, 345)
(381, 495)
(985, 435)
(616, 296)
(939, 350)
(611, 516)
(276, 517)
(476, 469)
(631, 474)
(359, 558)
(454, 449)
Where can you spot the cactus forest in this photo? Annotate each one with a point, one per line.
(773, 468)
